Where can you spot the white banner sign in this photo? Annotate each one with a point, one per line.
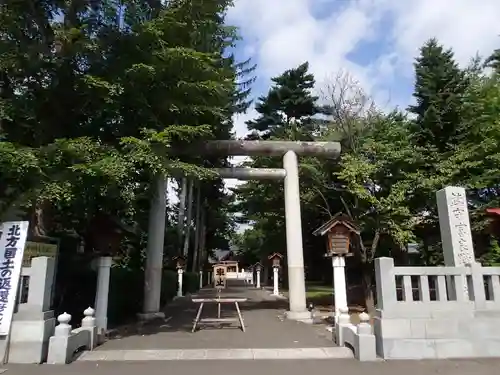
(12, 240)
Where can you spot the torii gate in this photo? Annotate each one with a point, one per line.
(289, 173)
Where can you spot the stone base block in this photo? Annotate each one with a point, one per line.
(301, 316)
(151, 316)
(29, 341)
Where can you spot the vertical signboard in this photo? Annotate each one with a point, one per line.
(220, 276)
(12, 240)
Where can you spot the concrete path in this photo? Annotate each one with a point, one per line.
(262, 314)
(277, 367)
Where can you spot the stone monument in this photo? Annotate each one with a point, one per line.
(456, 236)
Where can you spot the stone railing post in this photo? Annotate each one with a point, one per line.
(364, 327)
(63, 329)
(385, 283)
(477, 291)
(59, 345)
(89, 323)
(343, 320)
(366, 347)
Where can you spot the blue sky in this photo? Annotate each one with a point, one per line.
(374, 42)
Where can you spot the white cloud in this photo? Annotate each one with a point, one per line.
(239, 122)
(280, 34)
(285, 33)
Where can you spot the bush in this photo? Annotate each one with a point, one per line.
(168, 286)
(126, 294)
(190, 282)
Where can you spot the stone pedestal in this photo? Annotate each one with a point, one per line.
(30, 334)
(34, 322)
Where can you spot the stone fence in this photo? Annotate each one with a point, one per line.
(33, 323)
(359, 338)
(66, 341)
(437, 312)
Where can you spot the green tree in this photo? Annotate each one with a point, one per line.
(439, 88)
(288, 109)
(493, 61)
(287, 112)
(377, 182)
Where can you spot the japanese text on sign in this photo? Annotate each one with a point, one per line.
(12, 242)
(220, 277)
(461, 227)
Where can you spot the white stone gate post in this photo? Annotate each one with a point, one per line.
(154, 252)
(102, 294)
(295, 256)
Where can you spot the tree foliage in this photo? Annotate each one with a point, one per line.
(391, 166)
(93, 94)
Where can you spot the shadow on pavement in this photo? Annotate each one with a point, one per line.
(263, 317)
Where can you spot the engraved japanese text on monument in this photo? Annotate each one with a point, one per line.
(461, 226)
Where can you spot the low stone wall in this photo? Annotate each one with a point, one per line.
(359, 337)
(66, 341)
(441, 312)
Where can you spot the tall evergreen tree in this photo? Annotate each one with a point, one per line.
(287, 112)
(289, 106)
(493, 61)
(439, 89)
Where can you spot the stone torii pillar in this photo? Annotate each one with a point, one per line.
(289, 150)
(154, 252)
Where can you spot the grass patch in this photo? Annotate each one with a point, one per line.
(316, 291)
(319, 291)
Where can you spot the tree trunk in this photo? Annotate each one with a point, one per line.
(197, 229)
(182, 212)
(266, 273)
(39, 217)
(188, 218)
(367, 286)
(203, 233)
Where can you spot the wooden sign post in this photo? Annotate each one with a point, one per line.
(180, 264)
(338, 231)
(220, 276)
(275, 258)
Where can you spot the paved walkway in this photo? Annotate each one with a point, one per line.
(277, 367)
(296, 348)
(268, 334)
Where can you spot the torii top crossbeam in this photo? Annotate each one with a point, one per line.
(263, 148)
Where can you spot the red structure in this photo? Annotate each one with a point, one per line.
(494, 213)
